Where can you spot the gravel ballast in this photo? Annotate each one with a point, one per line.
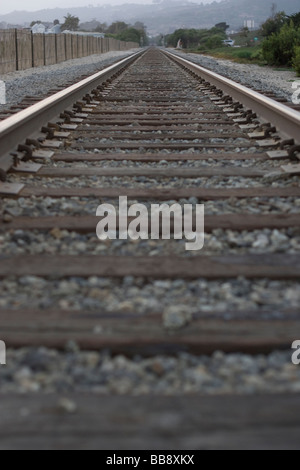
(251, 75)
(39, 80)
(144, 296)
(39, 206)
(144, 182)
(218, 243)
(44, 370)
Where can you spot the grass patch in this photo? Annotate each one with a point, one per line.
(284, 69)
(243, 55)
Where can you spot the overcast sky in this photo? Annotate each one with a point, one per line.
(33, 5)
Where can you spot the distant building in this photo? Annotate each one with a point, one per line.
(56, 29)
(250, 24)
(41, 28)
(48, 28)
(38, 28)
(84, 33)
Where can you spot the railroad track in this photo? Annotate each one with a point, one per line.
(29, 100)
(154, 128)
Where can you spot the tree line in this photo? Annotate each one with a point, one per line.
(280, 34)
(118, 30)
(200, 38)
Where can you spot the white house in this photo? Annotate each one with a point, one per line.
(56, 29)
(38, 28)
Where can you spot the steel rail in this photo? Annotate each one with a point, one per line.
(286, 120)
(27, 122)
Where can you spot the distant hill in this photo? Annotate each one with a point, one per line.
(167, 15)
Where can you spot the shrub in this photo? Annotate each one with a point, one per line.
(279, 48)
(258, 55)
(244, 55)
(214, 41)
(271, 49)
(296, 60)
(274, 24)
(130, 35)
(202, 38)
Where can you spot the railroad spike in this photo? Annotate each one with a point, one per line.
(27, 150)
(33, 142)
(49, 132)
(294, 152)
(3, 175)
(287, 143)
